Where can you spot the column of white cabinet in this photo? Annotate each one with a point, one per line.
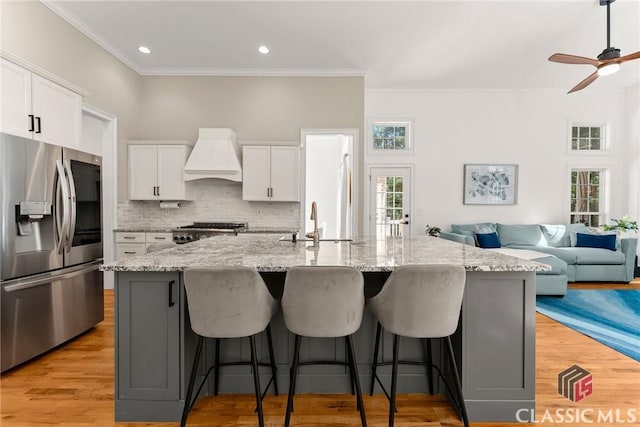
(155, 172)
(37, 108)
(270, 173)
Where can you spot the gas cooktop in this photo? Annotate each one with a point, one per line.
(216, 225)
(202, 230)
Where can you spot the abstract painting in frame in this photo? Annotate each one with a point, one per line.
(490, 184)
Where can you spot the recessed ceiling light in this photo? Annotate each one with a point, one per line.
(263, 50)
(144, 49)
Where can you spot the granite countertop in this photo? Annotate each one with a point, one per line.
(268, 254)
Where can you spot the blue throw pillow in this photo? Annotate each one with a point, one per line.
(488, 240)
(602, 241)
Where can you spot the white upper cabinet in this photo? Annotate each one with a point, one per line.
(34, 107)
(270, 173)
(155, 172)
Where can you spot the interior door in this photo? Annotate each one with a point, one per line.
(390, 201)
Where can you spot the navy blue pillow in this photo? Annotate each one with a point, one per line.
(488, 240)
(602, 241)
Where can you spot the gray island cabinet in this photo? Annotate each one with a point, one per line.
(494, 344)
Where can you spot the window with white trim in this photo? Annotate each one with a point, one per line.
(587, 196)
(589, 138)
(390, 136)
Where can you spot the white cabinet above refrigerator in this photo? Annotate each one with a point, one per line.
(37, 108)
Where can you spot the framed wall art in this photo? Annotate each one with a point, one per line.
(490, 184)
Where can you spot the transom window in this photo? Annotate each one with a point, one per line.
(587, 188)
(586, 138)
(390, 136)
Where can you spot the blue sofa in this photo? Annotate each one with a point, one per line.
(569, 263)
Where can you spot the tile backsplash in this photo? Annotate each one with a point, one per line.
(214, 200)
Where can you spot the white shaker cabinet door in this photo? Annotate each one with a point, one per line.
(284, 174)
(256, 173)
(143, 172)
(58, 113)
(15, 96)
(171, 160)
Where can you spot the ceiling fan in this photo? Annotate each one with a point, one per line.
(608, 61)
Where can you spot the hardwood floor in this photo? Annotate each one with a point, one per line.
(73, 386)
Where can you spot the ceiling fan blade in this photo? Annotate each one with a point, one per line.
(629, 57)
(586, 82)
(573, 59)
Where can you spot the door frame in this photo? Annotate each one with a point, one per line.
(109, 154)
(355, 143)
(367, 194)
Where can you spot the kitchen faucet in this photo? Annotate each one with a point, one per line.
(314, 216)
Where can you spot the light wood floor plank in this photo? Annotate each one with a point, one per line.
(73, 386)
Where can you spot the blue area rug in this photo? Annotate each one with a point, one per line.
(611, 317)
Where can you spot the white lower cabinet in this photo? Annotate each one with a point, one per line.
(131, 244)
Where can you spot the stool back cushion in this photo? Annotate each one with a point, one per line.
(323, 301)
(228, 302)
(421, 301)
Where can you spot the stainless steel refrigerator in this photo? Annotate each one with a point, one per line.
(51, 237)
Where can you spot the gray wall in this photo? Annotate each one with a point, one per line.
(257, 108)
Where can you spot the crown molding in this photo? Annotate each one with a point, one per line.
(216, 72)
(80, 26)
(42, 72)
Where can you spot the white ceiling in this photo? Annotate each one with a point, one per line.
(445, 44)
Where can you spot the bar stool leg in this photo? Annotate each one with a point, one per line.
(192, 380)
(452, 360)
(394, 380)
(216, 374)
(292, 380)
(256, 380)
(374, 365)
(274, 369)
(430, 366)
(354, 371)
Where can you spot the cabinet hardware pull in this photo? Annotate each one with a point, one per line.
(271, 191)
(39, 123)
(158, 187)
(130, 252)
(171, 302)
(129, 237)
(154, 190)
(31, 129)
(160, 238)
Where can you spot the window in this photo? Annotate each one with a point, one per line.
(588, 138)
(390, 136)
(587, 195)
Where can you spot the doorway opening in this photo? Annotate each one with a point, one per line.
(328, 174)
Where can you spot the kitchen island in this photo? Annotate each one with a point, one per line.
(494, 344)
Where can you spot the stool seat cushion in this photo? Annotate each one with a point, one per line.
(421, 301)
(323, 301)
(228, 302)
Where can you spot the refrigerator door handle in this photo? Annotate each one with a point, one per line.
(72, 193)
(63, 230)
(20, 284)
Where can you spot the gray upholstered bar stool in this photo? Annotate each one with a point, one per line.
(419, 301)
(323, 302)
(228, 302)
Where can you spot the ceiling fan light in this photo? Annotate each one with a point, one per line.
(608, 69)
